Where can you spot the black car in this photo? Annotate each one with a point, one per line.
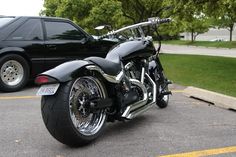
(31, 45)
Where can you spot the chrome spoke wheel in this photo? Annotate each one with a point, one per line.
(83, 90)
(12, 73)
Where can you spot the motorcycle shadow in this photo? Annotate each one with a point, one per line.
(117, 130)
(125, 127)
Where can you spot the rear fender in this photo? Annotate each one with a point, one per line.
(73, 69)
(67, 71)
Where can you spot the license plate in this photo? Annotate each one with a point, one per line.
(49, 89)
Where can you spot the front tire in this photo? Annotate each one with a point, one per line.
(66, 116)
(161, 81)
(162, 101)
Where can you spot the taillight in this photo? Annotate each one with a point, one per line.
(43, 79)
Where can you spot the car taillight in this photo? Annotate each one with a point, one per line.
(42, 79)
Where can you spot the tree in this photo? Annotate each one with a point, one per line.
(106, 12)
(140, 10)
(76, 10)
(50, 7)
(191, 17)
(224, 22)
(227, 16)
(197, 25)
(222, 11)
(87, 13)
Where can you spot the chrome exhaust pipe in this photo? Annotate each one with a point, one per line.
(138, 104)
(141, 106)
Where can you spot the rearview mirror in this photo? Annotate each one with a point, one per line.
(108, 27)
(103, 29)
(99, 27)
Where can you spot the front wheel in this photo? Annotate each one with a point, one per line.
(162, 84)
(163, 100)
(67, 115)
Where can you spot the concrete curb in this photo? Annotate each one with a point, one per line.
(217, 99)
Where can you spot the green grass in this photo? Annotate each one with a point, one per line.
(212, 73)
(217, 44)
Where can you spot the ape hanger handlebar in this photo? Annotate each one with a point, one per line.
(137, 28)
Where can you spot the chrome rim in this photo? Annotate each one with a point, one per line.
(83, 90)
(12, 73)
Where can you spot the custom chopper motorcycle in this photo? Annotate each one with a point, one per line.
(80, 96)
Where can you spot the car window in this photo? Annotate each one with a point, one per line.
(62, 31)
(30, 30)
(5, 20)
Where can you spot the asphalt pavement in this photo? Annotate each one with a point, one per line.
(186, 125)
(193, 50)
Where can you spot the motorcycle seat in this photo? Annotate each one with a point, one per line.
(109, 66)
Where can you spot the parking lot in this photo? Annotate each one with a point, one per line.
(185, 126)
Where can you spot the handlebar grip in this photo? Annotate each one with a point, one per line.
(166, 20)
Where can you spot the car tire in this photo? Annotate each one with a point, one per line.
(14, 72)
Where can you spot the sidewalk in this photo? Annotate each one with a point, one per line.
(193, 50)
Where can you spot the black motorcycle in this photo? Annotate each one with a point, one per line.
(79, 97)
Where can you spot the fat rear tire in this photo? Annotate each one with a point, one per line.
(57, 118)
(16, 65)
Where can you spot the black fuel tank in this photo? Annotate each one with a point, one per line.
(133, 49)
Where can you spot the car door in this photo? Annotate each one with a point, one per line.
(29, 38)
(64, 42)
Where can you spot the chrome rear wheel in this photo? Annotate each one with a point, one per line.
(83, 90)
(67, 114)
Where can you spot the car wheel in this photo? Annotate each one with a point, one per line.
(14, 73)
